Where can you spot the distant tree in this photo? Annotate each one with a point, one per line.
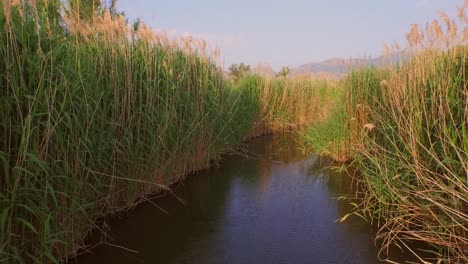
(284, 72)
(113, 8)
(85, 9)
(136, 24)
(237, 71)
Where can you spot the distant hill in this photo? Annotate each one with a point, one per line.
(332, 68)
(339, 66)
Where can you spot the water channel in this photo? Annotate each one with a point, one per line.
(269, 204)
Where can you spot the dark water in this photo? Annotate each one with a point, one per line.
(275, 206)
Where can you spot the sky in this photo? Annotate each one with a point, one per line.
(289, 32)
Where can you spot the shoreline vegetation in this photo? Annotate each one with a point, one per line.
(404, 129)
(98, 113)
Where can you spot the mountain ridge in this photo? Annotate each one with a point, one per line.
(341, 66)
(334, 67)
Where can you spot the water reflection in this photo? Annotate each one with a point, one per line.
(270, 205)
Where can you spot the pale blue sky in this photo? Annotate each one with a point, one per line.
(289, 32)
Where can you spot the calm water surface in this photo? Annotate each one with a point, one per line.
(274, 206)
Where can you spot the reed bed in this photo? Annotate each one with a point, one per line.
(408, 139)
(286, 103)
(97, 114)
(329, 136)
(412, 154)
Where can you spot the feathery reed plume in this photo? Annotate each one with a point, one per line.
(414, 37)
(462, 15)
(387, 50)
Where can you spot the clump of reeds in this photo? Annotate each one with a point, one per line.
(95, 114)
(410, 135)
(286, 103)
(330, 135)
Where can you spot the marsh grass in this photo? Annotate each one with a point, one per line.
(413, 157)
(96, 114)
(330, 136)
(405, 128)
(408, 128)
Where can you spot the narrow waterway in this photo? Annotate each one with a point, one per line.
(272, 204)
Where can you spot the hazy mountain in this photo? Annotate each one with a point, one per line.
(339, 66)
(331, 68)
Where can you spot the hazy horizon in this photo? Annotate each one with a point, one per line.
(289, 33)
